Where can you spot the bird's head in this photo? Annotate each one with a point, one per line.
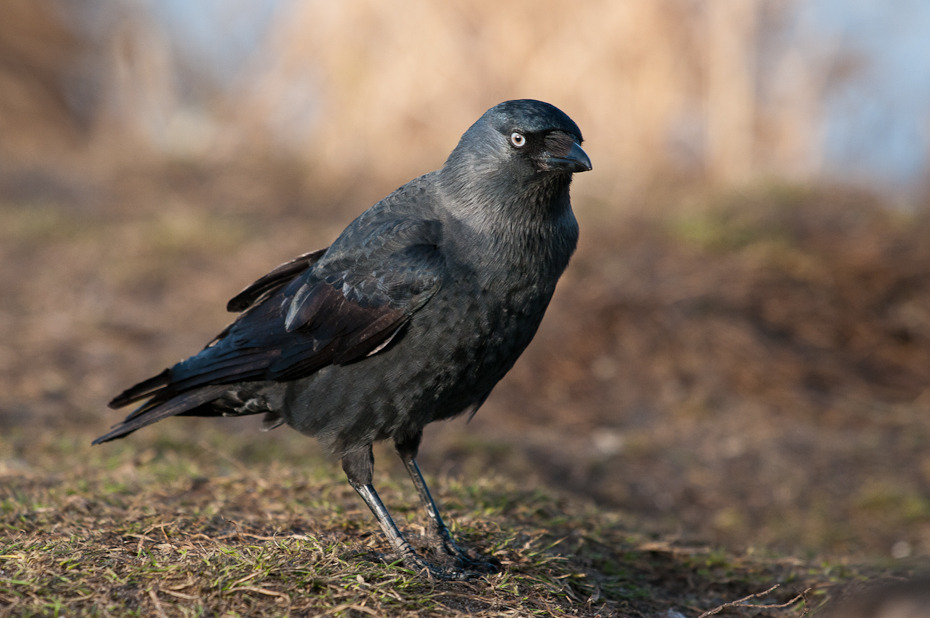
(520, 140)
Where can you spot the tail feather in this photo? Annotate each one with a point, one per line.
(147, 414)
(142, 390)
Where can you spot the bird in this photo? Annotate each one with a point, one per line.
(412, 315)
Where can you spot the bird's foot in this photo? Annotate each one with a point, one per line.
(470, 561)
(479, 564)
(442, 573)
(462, 567)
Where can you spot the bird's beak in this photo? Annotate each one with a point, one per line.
(573, 160)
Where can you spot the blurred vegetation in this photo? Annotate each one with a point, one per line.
(696, 92)
(738, 356)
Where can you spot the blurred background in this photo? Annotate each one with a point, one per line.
(740, 351)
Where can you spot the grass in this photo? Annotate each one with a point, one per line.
(185, 529)
(766, 369)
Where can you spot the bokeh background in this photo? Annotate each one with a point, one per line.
(740, 351)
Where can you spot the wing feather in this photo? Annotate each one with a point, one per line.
(280, 275)
(333, 306)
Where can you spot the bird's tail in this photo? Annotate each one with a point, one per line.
(142, 390)
(162, 402)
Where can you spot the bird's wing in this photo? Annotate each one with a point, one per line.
(317, 310)
(278, 277)
(357, 298)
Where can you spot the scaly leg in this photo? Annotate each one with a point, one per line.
(358, 466)
(407, 451)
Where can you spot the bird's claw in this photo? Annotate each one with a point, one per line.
(480, 564)
(418, 564)
(464, 568)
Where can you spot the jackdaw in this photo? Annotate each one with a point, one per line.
(412, 315)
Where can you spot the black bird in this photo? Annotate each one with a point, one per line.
(413, 314)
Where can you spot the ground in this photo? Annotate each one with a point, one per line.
(729, 393)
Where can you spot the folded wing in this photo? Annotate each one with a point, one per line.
(327, 307)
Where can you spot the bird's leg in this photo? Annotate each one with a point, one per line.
(407, 451)
(359, 466)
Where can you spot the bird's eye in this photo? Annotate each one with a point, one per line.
(517, 139)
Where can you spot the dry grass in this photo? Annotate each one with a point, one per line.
(718, 92)
(182, 530)
(658, 86)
